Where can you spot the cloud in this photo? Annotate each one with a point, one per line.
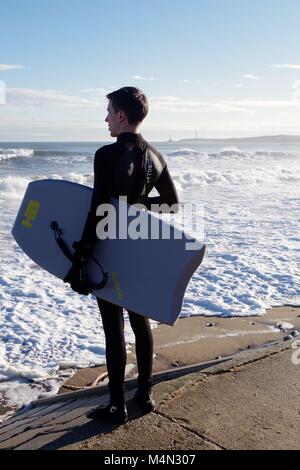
(249, 76)
(5, 67)
(2, 92)
(98, 91)
(173, 104)
(262, 103)
(33, 97)
(238, 85)
(65, 121)
(286, 66)
(139, 77)
(186, 80)
(296, 91)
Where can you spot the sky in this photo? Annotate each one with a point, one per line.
(211, 68)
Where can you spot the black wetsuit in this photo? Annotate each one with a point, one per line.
(130, 167)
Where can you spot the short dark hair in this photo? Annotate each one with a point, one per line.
(132, 101)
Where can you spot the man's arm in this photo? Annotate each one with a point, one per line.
(167, 193)
(101, 194)
(84, 247)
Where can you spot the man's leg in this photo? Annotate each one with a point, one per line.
(144, 355)
(113, 325)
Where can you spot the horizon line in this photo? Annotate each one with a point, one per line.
(269, 136)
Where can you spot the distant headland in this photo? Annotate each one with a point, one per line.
(284, 139)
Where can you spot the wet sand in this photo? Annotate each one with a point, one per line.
(198, 339)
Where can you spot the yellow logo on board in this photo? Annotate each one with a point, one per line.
(118, 289)
(31, 213)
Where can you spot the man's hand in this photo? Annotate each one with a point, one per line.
(77, 280)
(82, 253)
(76, 276)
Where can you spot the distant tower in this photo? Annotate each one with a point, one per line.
(196, 134)
(170, 138)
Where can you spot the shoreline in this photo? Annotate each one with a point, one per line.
(193, 340)
(198, 339)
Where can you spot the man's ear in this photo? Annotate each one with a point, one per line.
(122, 116)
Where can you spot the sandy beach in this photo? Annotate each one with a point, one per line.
(198, 339)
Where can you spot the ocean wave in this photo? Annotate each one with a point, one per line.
(6, 154)
(276, 154)
(255, 176)
(14, 187)
(234, 153)
(62, 153)
(85, 179)
(183, 152)
(55, 153)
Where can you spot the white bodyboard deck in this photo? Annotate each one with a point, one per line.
(148, 277)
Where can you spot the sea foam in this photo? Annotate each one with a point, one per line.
(6, 154)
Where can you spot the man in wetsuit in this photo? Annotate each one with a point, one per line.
(130, 167)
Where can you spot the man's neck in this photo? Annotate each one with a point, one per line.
(130, 129)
